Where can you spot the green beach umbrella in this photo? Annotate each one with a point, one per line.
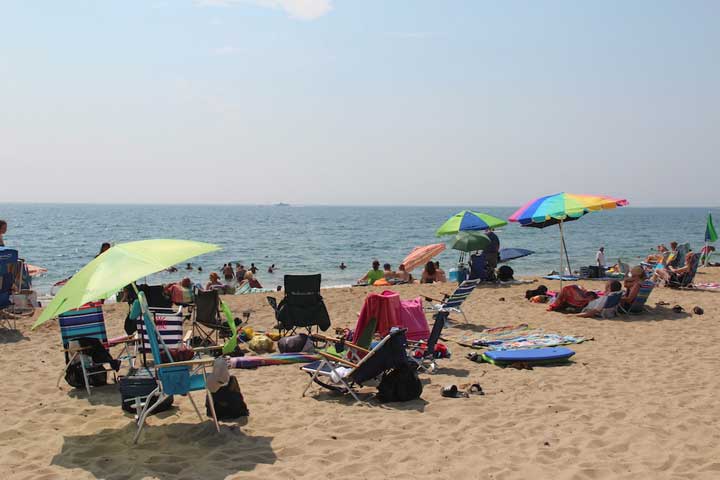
(468, 220)
(470, 241)
(117, 267)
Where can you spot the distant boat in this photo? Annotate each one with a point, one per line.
(281, 204)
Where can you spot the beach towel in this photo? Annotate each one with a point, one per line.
(711, 286)
(383, 307)
(275, 359)
(412, 317)
(475, 339)
(536, 341)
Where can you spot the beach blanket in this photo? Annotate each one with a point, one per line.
(275, 359)
(540, 340)
(711, 286)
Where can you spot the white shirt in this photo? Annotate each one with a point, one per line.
(600, 258)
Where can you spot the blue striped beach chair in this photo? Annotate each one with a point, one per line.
(638, 305)
(611, 305)
(453, 303)
(87, 321)
(173, 378)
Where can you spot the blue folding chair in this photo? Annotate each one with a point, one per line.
(87, 321)
(453, 303)
(638, 305)
(174, 378)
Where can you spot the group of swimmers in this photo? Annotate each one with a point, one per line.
(431, 273)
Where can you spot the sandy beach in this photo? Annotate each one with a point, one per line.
(638, 401)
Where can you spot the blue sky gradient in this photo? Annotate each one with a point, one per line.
(359, 101)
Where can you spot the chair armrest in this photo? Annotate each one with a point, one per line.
(187, 363)
(320, 336)
(333, 358)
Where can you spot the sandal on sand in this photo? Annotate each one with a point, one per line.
(452, 391)
(678, 309)
(474, 357)
(475, 388)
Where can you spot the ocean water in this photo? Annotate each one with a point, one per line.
(312, 239)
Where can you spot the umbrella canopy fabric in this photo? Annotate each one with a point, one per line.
(117, 267)
(562, 207)
(470, 241)
(469, 220)
(507, 254)
(422, 255)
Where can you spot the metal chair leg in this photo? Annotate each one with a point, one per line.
(67, 365)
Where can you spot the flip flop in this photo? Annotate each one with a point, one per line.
(474, 357)
(678, 309)
(452, 391)
(476, 389)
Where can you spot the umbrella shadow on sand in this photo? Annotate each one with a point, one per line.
(180, 450)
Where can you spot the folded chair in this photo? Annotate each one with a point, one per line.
(156, 297)
(341, 375)
(452, 303)
(208, 324)
(303, 306)
(423, 353)
(638, 305)
(174, 378)
(88, 322)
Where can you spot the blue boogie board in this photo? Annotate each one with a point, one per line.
(529, 355)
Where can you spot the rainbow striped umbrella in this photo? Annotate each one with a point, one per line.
(559, 208)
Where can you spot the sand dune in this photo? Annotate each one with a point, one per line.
(639, 401)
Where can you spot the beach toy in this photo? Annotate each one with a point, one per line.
(247, 333)
(532, 356)
(261, 344)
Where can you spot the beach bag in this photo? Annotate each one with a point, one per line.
(74, 375)
(400, 384)
(138, 384)
(505, 273)
(228, 402)
(295, 343)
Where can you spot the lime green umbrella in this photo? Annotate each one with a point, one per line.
(117, 267)
(468, 220)
(470, 241)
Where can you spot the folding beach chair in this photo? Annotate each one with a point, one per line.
(612, 303)
(174, 378)
(156, 297)
(452, 303)
(88, 322)
(686, 281)
(208, 324)
(302, 307)
(423, 353)
(168, 326)
(340, 375)
(8, 266)
(638, 305)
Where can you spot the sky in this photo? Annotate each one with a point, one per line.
(359, 102)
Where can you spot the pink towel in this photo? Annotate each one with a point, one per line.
(391, 312)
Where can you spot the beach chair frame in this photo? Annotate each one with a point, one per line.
(329, 364)
(89, 322)
(207, 319)
(638, 305)
(453, 303)
(426, 362)
(173, 378)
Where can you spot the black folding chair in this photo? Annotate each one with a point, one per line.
(208, 325)
(302, 307)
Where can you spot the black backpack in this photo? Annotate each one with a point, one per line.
(228, 401)
(74, 375)
(400, 384)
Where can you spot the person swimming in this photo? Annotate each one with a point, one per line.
(342, 266)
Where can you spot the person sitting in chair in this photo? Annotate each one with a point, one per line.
(675, 275)
(632, 286)
(595, 307)
(214, 282)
